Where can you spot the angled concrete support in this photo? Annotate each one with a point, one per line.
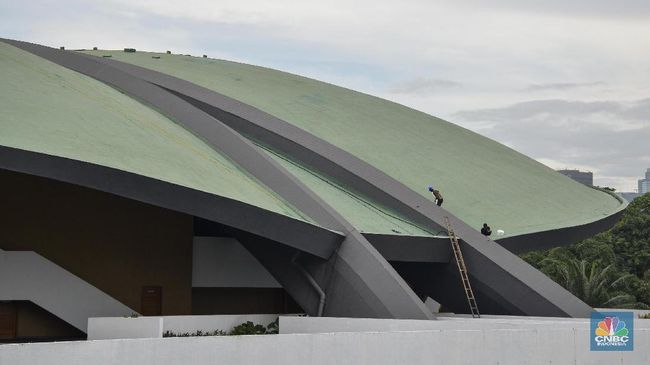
(277, 261)
(358, 277)
(355, 279)
(26, 275)
(352, 282)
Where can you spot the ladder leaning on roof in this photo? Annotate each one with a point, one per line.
(462, 269)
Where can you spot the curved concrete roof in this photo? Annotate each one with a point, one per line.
(481, 180)
(50, 109)
(304, 168)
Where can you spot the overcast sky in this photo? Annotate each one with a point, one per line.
(566, 82)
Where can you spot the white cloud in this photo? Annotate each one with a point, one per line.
(608, 138)
(562, 85)
(423, 85)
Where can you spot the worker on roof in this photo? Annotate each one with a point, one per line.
(436, 195)
(486, 230)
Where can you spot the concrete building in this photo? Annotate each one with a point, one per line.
(161, 184)
(583, 177)
(644, 184)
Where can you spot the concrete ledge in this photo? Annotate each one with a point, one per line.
(26, 275)
(184, 324)
(154, 327)
(118, 328)
(503, 347)
(295, 325)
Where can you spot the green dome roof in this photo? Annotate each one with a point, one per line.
(53, 110)
(481, 180)
(50, 109)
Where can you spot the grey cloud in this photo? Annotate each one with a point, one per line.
(640, 110)
(562, 85)
(610, 136)
(534, 108)
(423, 85)
(598, 8)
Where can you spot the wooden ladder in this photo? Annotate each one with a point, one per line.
(462, 269)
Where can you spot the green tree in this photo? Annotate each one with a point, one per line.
(632, 237)
(609, 269)
(591, 283)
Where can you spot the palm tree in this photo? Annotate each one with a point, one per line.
(591, 284)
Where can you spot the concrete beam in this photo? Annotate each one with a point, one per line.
(558, 237)
(26, 275)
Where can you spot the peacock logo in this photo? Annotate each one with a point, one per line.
(611, 326)
(612, 331)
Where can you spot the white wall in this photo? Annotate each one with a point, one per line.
(224, 262)
(183, 324)
(637, 312)
(154, 327)
(292, 325)
(485, 347)
(116, 328)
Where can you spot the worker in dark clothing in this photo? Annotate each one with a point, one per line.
(486, 230)
(437, 195)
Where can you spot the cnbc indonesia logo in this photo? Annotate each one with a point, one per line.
(612, 331)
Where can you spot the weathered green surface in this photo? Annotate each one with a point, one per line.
(362, 212)
(49, 109)
(481, 180)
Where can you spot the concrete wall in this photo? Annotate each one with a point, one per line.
(458, 347)
(224, 262)
(294, 325)
(116, 328)
(154, 327)
(115, 244)
(637, 312)
(182, 324)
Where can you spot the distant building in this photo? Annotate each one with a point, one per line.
(583, 177)
(644, 184)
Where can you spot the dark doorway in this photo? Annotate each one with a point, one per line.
(7, 320)
(151, 301)
(207, 301)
